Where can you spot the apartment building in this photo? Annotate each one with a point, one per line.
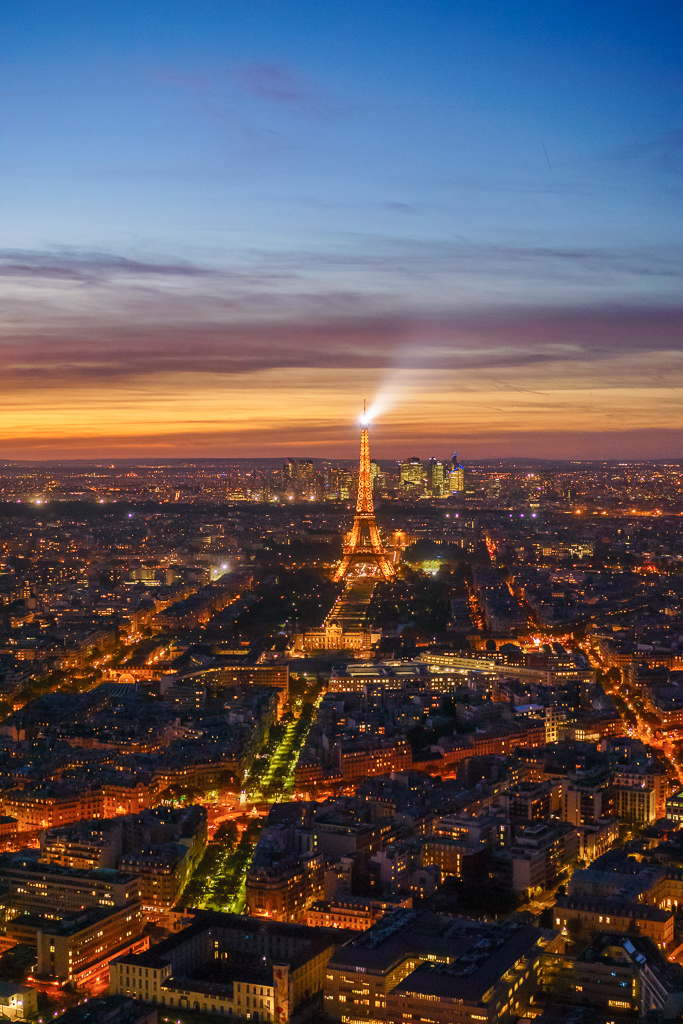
(614, 915)
(416, 965)
(33, 887)
(230, 965)
(78, 948)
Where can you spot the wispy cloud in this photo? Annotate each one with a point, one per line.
(86, 266)
(214, 102)
(97, 316)
(664, 154)
(508, 338)
(271, 82)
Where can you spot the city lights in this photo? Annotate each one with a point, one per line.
(365, 703)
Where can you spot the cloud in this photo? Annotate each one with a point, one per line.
(271, 82)
(397, 207)
(323, 440)
(384, 304)
(664, 154)
(408, 257)
(500, 266)
(487, 340)
(287, 411)
(207, 95)
(86, 266)
(171, 76)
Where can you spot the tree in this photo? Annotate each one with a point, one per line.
(226, 833)
(576, 930)
(226, 780)
(251, 832)
(192, 793)
(172, 793)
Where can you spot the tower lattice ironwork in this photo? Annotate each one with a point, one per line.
(364, 554)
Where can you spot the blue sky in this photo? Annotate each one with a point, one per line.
(389, 172)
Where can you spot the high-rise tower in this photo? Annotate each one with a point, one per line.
(364, 554)
(457, 476)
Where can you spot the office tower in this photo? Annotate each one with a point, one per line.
(411, 474)
(435, 477)
(457, 476)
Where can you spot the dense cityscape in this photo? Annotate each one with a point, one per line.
(341, 492)
(323, 741)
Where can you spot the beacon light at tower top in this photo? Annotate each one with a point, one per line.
(384, 399)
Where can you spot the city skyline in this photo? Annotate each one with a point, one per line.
(341, 480)
(224, 227)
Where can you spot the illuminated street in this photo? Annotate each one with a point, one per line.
(224, 887)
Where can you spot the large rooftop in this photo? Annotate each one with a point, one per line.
(407, 932)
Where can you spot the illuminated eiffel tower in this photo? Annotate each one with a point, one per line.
(364, 554)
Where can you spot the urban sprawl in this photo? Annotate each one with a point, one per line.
(341, 742)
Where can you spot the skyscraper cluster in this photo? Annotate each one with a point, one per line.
(434, 479)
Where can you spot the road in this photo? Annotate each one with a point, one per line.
(638, 721)
(668, 742)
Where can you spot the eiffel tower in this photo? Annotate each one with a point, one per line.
(364, 554)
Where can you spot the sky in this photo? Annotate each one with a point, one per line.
(224, 223)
